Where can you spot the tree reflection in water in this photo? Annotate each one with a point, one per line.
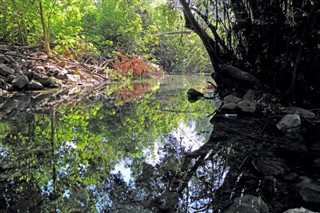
(106, 155)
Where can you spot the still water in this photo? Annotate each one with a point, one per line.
(121, 148)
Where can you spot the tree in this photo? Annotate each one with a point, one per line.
(274, 40)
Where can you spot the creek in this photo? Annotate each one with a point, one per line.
(142, 147)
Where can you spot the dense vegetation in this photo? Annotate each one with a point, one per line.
(81, 29)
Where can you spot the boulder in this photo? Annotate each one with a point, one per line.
(5, 71)
(301, 112)
(248, 204)
(247, 106)
(229, 107)
(289, 121)
(231, 99)
(20, 81)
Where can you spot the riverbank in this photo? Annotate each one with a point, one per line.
(25, 71)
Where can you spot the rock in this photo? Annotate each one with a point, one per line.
(249, 96)
(4, 58)
(247, 106)
(5, 71)
(231, 99)
(248, 204)
(54, 83)
(309, 190)
(39, 68)
(35, 85)
(288, 122)
(194, 95)
(20, 81)
(3, 84)
(301, 112)
(53, 70)
(60, 74)
(73, 78)
(10, 78)
(229, 107)
(40, 77)
(299, 210)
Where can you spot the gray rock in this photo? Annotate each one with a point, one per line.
(249, 96)
(3, 84)
(16, 67)
(299, 210)
(288, 122)
(20, 81)
(309, 190)
(42, 78)
(39, 68)
(54, 83)
(301, 112)
(4, 58)
(10, 78)
(35, 85)
(248, 204)
(5, 71)
(231, 99)
(247, 106)
(60, 74)
(229, 107)
(73, 78)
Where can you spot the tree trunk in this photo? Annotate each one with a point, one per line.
(46, 34)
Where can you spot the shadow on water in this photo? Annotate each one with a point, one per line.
(138, 148)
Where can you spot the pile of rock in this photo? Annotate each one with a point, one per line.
(38, 71)
(233, 104)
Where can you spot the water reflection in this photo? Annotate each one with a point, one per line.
(133, 149)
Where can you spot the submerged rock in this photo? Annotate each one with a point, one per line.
(248, 204)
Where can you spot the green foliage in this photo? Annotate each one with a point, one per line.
(78, 28)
